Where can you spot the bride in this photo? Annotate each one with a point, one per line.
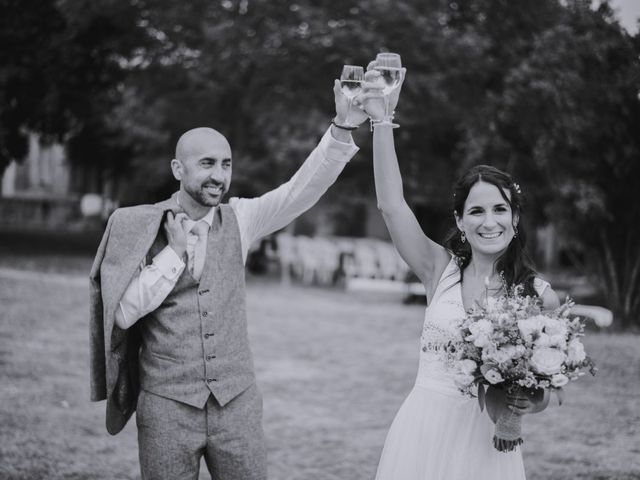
(438, 433)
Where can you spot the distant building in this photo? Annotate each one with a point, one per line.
(45, 192)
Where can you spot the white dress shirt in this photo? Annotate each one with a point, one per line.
(256, 218)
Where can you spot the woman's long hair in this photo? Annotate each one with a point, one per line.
(514, 264)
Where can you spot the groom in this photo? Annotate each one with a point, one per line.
(168, 314)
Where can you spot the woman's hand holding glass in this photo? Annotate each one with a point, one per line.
(389, 65)
(377, 104)
(381, 88)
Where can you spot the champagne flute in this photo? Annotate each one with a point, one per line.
(390, 67)
(351, 84)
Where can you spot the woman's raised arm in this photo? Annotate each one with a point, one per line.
(424, 256)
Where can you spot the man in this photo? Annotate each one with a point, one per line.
(168, 313)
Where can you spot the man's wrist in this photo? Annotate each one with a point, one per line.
(342, 125)
(169, 262)
(340, 134)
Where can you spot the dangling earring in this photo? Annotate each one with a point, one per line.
(463, 237)
(515, 231)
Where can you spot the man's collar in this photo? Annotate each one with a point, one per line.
(207, 218)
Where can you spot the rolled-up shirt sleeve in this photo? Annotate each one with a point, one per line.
(263, 215)
(149, 287)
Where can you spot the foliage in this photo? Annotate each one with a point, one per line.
(60, 74)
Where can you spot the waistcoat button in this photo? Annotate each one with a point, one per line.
(204, 314)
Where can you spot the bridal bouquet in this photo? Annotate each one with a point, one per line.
(511, 344)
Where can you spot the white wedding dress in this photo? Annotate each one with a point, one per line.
(438, 433)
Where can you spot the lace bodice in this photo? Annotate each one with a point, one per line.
(440, 331)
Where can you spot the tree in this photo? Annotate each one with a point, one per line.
(61, 72)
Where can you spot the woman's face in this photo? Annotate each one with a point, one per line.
(487, 220)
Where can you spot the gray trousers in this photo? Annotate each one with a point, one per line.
(173, 437)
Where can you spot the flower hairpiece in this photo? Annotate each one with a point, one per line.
(517, 188)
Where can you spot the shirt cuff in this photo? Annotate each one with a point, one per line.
(336, 150)
(169, 263)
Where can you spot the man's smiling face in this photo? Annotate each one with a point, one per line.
(203, 165)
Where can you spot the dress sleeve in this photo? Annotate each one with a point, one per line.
(540, 286)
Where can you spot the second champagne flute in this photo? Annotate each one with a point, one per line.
(351, 84)
(390, 67)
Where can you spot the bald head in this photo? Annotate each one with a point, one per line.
(198, 141)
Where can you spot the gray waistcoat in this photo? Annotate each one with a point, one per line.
(195, 344)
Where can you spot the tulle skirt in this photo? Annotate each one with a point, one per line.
(439, 434)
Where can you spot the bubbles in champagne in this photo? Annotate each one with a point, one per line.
(351, 88)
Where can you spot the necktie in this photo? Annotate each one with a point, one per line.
(200, 230)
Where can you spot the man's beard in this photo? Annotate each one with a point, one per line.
(205, 199)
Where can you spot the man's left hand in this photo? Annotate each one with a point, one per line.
(345, 112)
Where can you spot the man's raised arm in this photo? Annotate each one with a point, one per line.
(272, 211)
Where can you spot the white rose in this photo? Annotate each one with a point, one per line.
(554, 327)
(559, 341)
(493, 376)
(547, 361)
(530, 326)
(514, 351)
(481, 326)
(543, 340)
(575, 351)
(480, 332)
(559, 380)
(482, 341)
(498, 355)
(467, 366)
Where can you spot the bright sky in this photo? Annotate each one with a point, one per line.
(628, 12)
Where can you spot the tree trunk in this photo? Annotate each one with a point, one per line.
(621, 282)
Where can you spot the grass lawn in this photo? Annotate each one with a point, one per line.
(333, 367)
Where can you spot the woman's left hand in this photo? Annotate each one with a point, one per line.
(394, 95)
(499, 402)
(528, 400)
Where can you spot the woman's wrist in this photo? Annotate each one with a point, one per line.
(385, 123)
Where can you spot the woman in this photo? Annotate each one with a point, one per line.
(438, 433)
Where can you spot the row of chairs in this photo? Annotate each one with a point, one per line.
(327, 260)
